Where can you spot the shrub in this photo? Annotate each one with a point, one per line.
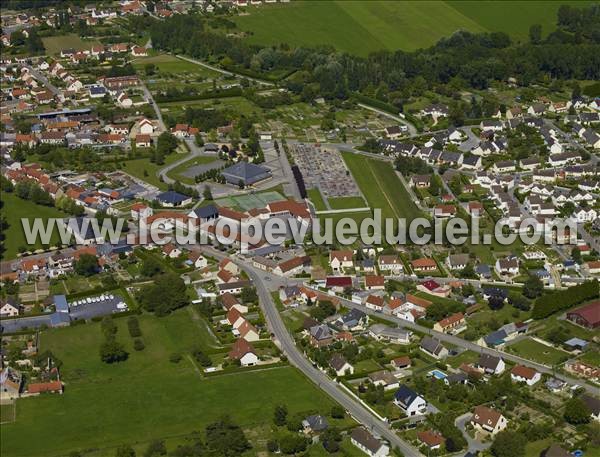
(138, 344)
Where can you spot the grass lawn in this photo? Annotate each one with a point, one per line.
(316, 197)
(14, 209)
(538, 352)
(54, 44)
(375, 25)
(176, 173)
(381, 187)
(147, 396)
(166, 63)
(346, 202)
(592, 357)
(405, 25)
(147, 171)
(366, 366)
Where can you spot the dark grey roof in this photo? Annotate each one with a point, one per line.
(405, 395)
(316, 422)
(206, 212)
(431, 345)
(247, 172)
(320, 332)
(592, 403)
(364, 438)
(171, 197)
(337, 362)
(488, 361)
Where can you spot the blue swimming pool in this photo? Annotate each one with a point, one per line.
(437, 374)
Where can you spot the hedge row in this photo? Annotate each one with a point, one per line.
(564, 299)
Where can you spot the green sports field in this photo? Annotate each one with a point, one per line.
(361, 27)
(54, 44)
(381, 187)
(146, 397)
(14, 209)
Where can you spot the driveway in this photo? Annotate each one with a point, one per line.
(474, 445)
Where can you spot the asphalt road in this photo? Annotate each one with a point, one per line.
(296, 358)
(457, 341)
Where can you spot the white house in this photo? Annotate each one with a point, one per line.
(411, 403)
(524, 374)
(146, 127)
(362, 439)
(491, 364)
(124, 101)
(488, 420)
(338, 260)
(390, 264)
(340, 365)
(9, 308)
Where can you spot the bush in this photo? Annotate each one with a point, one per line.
(175, 357)
(133, 326)
(138, 344)
(111, 352)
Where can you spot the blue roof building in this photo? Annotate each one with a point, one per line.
(205, 212)
(60, 303)
(59, 319)
(171, 198)
(246, 172)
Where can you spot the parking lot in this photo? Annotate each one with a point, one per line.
(325, 169)
(99, 305)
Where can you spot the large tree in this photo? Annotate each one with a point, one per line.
(166, 294)
(509, 444)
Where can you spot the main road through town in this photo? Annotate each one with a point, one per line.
(296, 358)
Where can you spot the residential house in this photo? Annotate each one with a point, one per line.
(507, 266)
(488, 420)
(375, 302)
(587, 316)
(362, 439)
(9, 307)
(390, 264)
(450, 324)
(491, 364)
(433, 347)
(525, 374)
(411, 403)
(243, 351)
(229, 301)
(340, 365)
(339, 260)
(384, 378)
(401, 362)
(320, 335)
(374, 282)
(314, 424)
(423, 265)
(430, 439)
(394, 335)
(353, 320)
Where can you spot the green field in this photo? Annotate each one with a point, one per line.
(147, 171)
(363, 27)
(346, 202)
(381, 187)
(316, 197)
(166, 63)
(147, 396)
(177, 172)
(54, 44)
(538, 352)
(249, 201)
(14, 209)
